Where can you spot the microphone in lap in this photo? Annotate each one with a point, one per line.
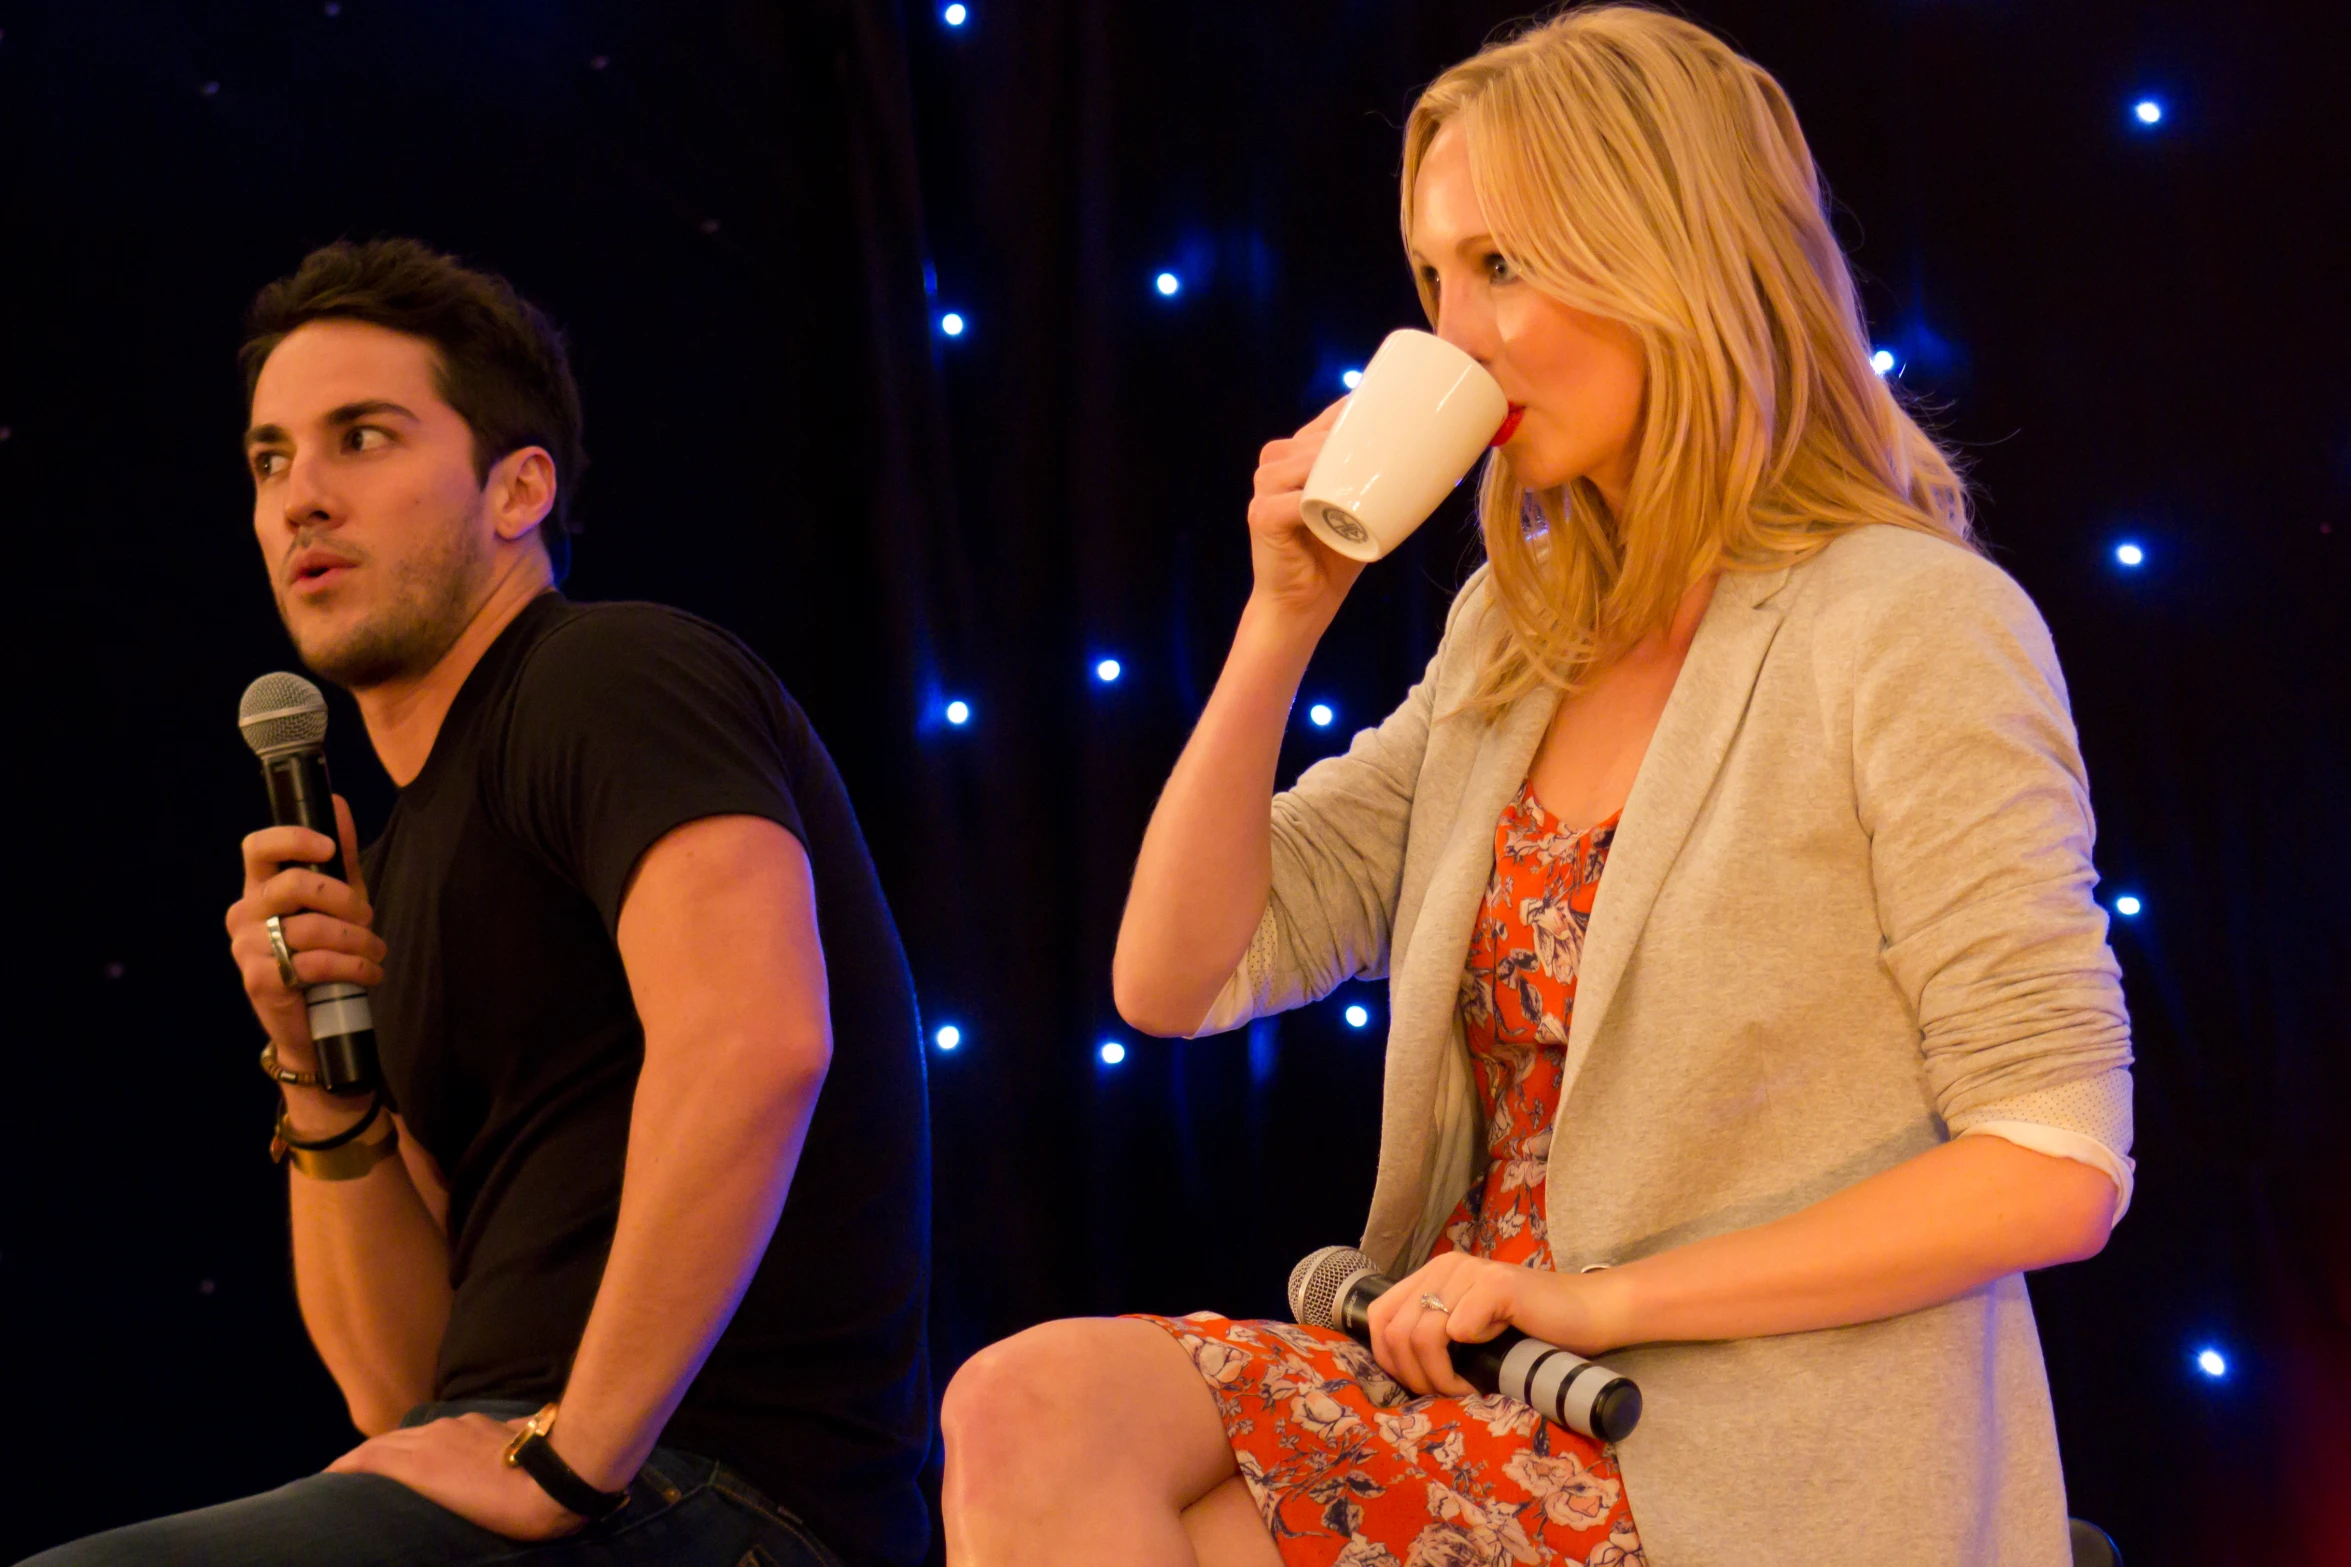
(284, 719)
(1334, 1288)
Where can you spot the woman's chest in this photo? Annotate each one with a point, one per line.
(1591, 753)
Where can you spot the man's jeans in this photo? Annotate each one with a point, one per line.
(683, 1509)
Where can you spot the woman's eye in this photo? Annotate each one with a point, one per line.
(1498, 269)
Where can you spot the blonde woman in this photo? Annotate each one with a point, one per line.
(1752, 1021)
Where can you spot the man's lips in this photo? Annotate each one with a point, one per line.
(316, 568)
(1510, 420)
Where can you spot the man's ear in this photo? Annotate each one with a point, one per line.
(521, 491)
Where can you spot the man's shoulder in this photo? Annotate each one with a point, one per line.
(598, 654)
(621, 632)
(620, 669)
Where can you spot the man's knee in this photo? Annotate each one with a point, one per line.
(321, 1520)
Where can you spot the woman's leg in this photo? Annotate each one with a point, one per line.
(1226, 1531)
(1083, 1442)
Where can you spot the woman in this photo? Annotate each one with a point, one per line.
(1752, 1021)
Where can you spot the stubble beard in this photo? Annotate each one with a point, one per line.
(432, 599)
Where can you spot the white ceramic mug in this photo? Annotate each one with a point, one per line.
(1416, 422)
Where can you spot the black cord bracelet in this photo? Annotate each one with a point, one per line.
(375, 1107)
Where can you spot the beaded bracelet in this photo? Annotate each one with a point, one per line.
(284, 1074)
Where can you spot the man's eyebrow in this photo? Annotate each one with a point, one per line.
(265, 435)
(352, 413)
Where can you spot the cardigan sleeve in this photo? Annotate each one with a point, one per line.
(1970, 784)
(1338, 861)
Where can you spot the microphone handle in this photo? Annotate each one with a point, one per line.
(342, 1025)
(1565, 1388)
(301, 796)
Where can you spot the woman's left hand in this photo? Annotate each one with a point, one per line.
(1412, 1342)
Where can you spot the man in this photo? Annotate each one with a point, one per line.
(662, 1164)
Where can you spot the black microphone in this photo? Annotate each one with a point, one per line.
(284, 719)
(1334, 1288)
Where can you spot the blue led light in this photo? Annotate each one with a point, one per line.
(1108, 670)
(2212, 1364)
(2147, 112)
(1350, 379)
(2127, 906)
(1883, 361)
(948, 1036)
(959, 713)
(951, 324)
(1168, 284)
(1357, 1016)
(955, 15)
(1321, 715)
(1112, 1052)
(2130, 555)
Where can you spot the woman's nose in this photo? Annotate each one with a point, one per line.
(1469, 328)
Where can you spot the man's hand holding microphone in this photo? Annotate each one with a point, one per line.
(323, 928)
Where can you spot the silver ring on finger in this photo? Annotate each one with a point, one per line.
(1435, 1305)
(283, 953)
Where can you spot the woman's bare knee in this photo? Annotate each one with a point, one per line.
(1119, 1394)
(1007, 1399)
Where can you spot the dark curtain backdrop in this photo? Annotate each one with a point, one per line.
(750, 217)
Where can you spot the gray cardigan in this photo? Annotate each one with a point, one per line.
(1847, 915)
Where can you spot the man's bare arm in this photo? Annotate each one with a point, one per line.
(718, 935)
(371, 1264)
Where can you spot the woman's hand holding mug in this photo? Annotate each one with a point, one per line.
(1297, 575)
(1354, 484)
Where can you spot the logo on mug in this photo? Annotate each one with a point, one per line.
(1344, 526)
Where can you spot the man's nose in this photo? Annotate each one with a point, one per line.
(308, 501)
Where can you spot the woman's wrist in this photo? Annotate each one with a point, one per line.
(1615, 1307)
(1276, 640)
(1588, 1313)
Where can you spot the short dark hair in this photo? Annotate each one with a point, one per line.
(498, 361)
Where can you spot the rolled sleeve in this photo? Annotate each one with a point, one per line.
(1338, 845)
(1971, 787)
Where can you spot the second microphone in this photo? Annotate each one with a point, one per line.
(1334, 1288)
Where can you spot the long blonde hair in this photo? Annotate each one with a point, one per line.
(1634, 166)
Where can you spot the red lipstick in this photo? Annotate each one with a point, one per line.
(1510, 420)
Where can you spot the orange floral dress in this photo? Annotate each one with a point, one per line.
(1348, 1469)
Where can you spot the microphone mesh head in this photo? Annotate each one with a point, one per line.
(282, 712)
(1316, 1281)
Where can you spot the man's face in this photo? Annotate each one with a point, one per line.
(365, 502)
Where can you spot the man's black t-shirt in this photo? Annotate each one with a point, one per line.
(511, 1048)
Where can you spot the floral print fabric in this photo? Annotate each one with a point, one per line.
(1517, 996)
(1348, 1469)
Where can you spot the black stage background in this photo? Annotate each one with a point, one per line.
(2136, 332)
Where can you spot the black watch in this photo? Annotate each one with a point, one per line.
(534, 1455)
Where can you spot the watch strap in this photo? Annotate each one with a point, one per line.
(534, 1455)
